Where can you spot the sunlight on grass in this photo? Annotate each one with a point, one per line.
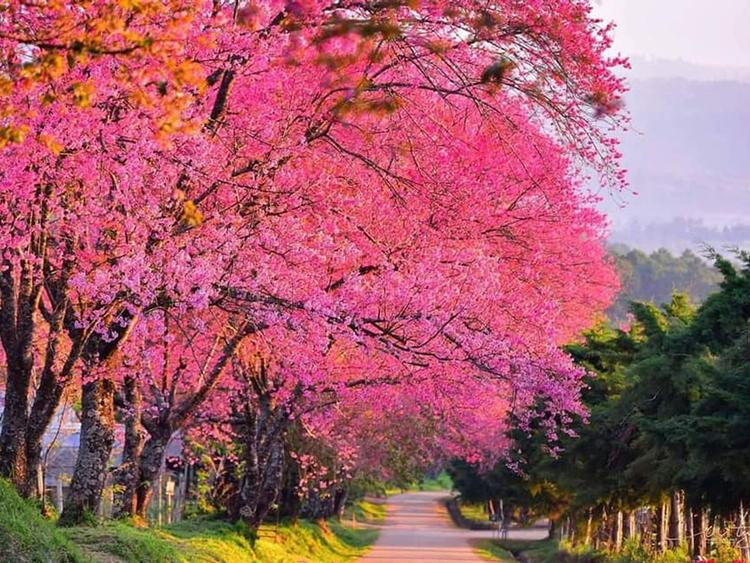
(491, 550)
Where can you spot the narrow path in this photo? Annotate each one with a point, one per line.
(418, 528)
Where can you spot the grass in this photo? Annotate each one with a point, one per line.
(219, 542)
(27, 537)
(551, 551)
(366, 511)
(474, 512)
(442, 482)
(491, 550)
(207, 541)
(541, 551)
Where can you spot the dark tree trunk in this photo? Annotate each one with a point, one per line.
(46, 402)
(289, 502)
(339, 502)
(262, 479)
(128, 475)
(97, 438)
(149, 468)
(13, 465)
(317, 507)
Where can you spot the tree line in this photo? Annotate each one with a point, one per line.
(661, 461)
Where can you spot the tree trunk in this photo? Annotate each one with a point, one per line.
(13, 463)
(743, 535)
(663, 523)
(262, 479)
(702, 544)
(632, 525)
(589, 521)
(149, 467)
(618, 531)
(128, 475)
(339, 502)
(676, 520)
(97, 438)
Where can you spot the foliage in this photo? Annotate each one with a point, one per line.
(441, 482)
(667, 420)
(316, 238)
(655, 277)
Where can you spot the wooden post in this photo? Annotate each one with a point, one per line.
(618, 532)
(59, 495)
(170, 498)
(158, 501)
(181, 494)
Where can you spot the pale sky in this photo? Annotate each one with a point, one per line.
(713, 32)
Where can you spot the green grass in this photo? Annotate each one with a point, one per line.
(474, 512)
(491, 550)
(442, 482)
(366, 511)
(27, 537)
(550, 551)
(541, 551)
(308, 542)
(205, 541)
(117, 541)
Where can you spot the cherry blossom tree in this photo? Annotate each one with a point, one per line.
(390, 195)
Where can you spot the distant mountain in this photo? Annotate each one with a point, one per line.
(688, 156)
(646, 69)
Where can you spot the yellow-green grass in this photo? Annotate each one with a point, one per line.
(541, 551)
(474, 512)
(491, 550)
(26, 537)
(369, 511)
(202, 541)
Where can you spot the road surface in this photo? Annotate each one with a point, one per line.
(417, 528)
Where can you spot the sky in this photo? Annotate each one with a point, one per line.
(715, 33)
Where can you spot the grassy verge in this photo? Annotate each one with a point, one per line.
(491, 550)
(551, 551)
(219, 542)
(542, 551)
(473, 512)
(26, 537)
(366, 511)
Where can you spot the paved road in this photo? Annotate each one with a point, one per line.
(418, 528)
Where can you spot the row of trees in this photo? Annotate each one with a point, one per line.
(285, 228)
(663, 458)
(655, 277)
